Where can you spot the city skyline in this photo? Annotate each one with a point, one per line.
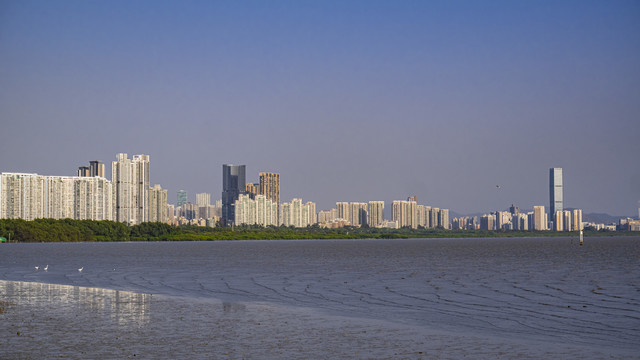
(465, 105)
(138, 172)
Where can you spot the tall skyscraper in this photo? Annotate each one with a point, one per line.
(233, 184)
(555, 190)
(182, 197)
(130, 179)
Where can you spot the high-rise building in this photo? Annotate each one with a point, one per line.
(233, 184)
(358, 213)
(326, 216)
(203, 199)
(252, 189)
(33, 196)
(343, 211)
(375, 215)
(558, 221)
(22, 196)
(556, 202)
(298, 214)
(406, 213)
(539, 218)
(157, 204)
(181, 198)
(577, 220)
(269, 184)
(433, 217)
(443, 218)
(259, 211)
(130, 179)
(503, 220)
(486, 222)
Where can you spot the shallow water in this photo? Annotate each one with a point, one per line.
(442, 298)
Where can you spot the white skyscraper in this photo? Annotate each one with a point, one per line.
(130, 179)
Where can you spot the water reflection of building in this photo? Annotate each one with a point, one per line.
(124, 308)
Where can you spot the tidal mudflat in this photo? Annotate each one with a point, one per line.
(448, 299)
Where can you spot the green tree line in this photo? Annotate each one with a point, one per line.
(67, 230)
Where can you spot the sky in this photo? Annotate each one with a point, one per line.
(347, 100)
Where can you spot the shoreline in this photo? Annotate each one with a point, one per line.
(67, 230)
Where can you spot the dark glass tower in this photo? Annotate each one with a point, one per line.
(233, 184)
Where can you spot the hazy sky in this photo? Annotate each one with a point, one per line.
(347, 100)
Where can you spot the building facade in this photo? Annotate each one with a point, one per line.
(203, 199)
(33, 196)
(375, 213)
(406, 213)
(233, 184)
(539, 222)
(130, 179)
(158, 204)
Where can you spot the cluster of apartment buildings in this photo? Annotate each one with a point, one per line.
(404, 214)
(536, 220)
(129, 198)
(126, 198)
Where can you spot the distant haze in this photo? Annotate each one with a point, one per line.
(347, 100)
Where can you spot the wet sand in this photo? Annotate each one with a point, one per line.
(60, 321)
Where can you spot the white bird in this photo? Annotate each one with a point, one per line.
(80, 270)
(46, 268)
(37, 267)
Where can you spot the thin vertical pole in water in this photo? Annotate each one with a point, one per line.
(581, 235)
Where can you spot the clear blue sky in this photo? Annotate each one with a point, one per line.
(347, 100)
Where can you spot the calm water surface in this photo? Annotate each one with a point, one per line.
(437, 298)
